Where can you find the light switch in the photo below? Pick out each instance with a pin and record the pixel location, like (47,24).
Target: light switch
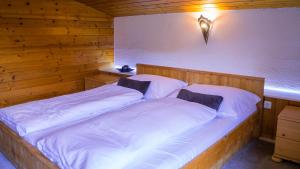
(267,105)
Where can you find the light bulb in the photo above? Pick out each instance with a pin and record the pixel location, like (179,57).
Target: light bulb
(204,25)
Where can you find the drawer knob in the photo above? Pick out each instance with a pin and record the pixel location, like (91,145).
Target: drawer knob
(283,135)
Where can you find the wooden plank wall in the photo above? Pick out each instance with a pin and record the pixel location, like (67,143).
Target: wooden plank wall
(47,47)
(146,7)
(269,123)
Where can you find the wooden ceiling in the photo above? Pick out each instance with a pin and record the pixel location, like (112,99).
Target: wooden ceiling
(143,7)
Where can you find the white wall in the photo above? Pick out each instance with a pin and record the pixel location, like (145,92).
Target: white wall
(264,42)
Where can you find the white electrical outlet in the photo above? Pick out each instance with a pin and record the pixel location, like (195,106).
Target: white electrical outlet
(267,105)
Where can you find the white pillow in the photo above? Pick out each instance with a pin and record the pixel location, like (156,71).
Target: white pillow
(235,101)
(160,86)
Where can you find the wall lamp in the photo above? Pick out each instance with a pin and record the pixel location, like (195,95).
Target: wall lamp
(205,25)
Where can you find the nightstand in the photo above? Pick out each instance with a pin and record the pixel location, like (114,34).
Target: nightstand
(104,77)
(287,145)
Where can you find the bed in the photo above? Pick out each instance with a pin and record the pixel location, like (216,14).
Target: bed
(23,155)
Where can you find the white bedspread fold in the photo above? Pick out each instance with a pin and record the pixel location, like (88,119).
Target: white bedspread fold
(114,139)
(38,115)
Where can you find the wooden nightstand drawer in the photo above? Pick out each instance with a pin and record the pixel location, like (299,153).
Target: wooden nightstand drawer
(287,148)
(289,130)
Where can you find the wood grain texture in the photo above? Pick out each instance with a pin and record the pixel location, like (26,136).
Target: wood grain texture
(269,118)
(249,83)
(144,7)
(22,154)
(48,47)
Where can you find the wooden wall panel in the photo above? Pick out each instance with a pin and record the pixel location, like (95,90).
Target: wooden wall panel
(269,124)
(47,48)
(249,83)
(144,7)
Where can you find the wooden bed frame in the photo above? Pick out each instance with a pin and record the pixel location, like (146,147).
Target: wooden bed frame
(24,156)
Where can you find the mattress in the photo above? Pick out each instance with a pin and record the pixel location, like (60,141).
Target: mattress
(42,114)
(180,150)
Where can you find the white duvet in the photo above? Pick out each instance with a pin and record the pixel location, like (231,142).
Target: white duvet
(114,139)
(34,116)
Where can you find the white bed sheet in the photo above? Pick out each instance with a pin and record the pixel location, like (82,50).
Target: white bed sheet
(115,139)
(179,150)
(42,114)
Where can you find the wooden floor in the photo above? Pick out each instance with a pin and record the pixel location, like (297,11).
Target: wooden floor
(255,155)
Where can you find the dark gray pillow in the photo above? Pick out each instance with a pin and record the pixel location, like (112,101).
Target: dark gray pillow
(141,86)
(211,101)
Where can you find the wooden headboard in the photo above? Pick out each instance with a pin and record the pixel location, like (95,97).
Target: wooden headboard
(249,83)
